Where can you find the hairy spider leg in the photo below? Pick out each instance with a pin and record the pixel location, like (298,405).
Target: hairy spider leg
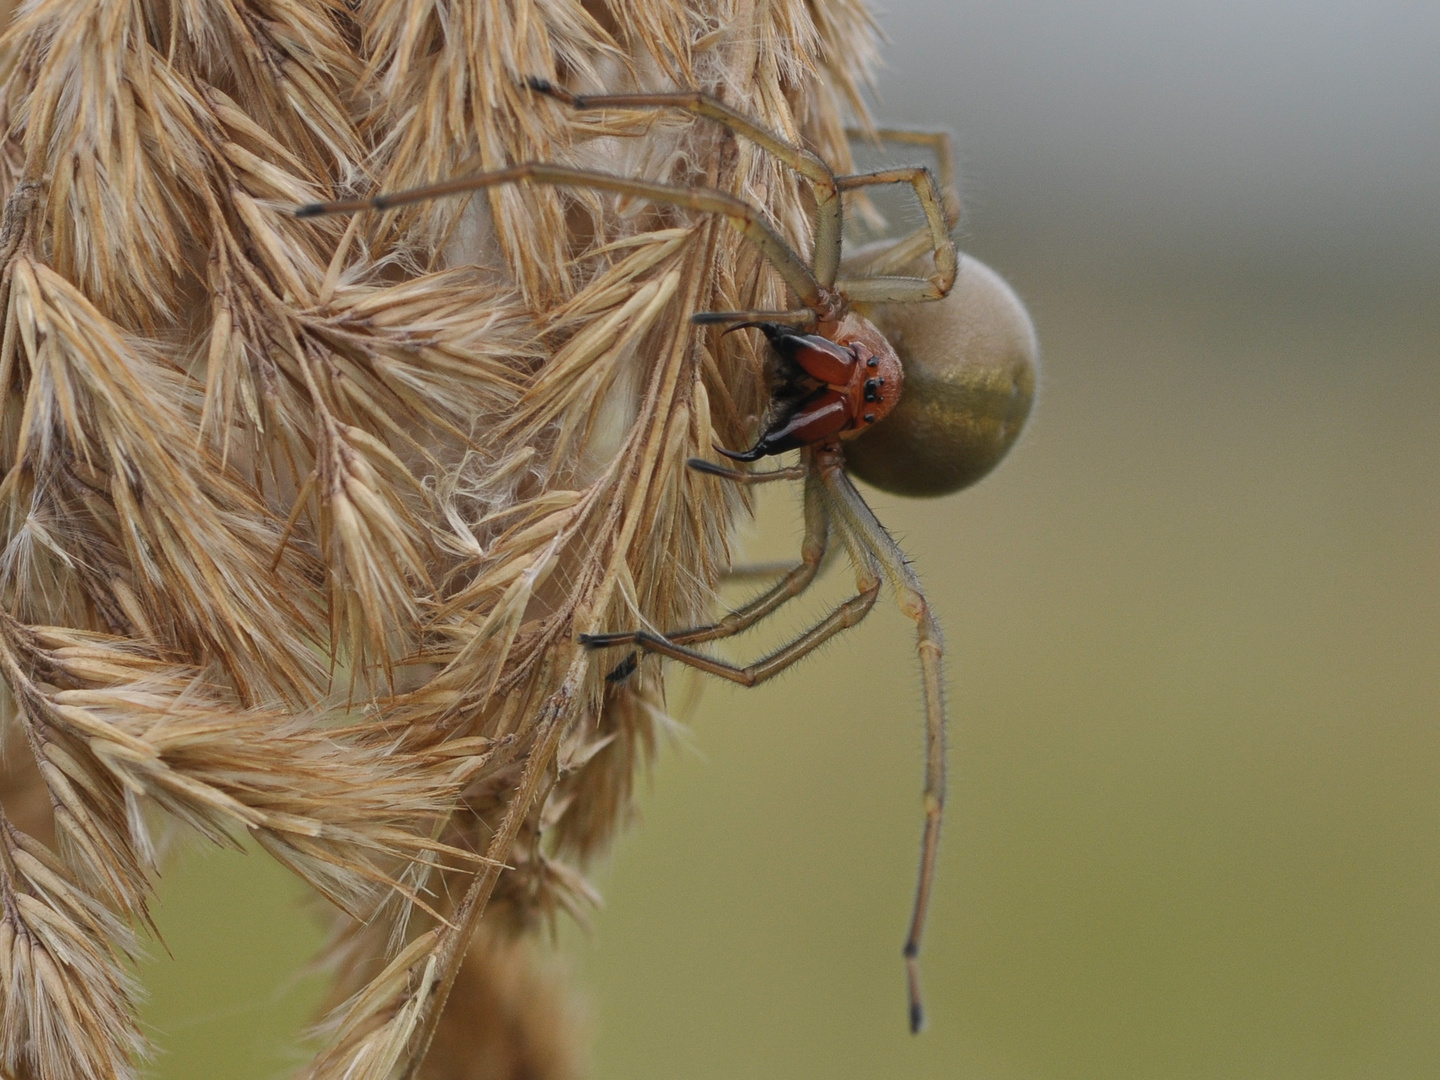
(801,317)
(856,523)
(789,472)
(939,144)
(941,206)
(795,580)
(759,571)
(829,220)
(739,213)
(788,580)
(901,290)
(843,616)
(767,571)
(771,570)
(906,250)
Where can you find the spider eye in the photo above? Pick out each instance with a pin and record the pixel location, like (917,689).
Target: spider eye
(970,363)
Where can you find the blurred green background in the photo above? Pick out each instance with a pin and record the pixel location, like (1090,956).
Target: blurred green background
(1193,625)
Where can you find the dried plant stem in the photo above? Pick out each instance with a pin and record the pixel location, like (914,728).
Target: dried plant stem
(455,939)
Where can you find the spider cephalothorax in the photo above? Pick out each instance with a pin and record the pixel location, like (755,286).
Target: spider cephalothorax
(837,378)
(828,386)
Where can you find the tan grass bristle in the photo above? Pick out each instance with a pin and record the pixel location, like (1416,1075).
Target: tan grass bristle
(301,518)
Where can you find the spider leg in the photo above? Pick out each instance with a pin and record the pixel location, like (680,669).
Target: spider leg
(829,211)
(789,472)
(768,571)
(939,144)
(771,571)
(905,251)
(881,290)
(795,581)
(843,616)
(705,200)
(802,317)
(858,526)
(759,571)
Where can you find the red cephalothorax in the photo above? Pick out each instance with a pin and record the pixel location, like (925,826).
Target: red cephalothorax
(831,386)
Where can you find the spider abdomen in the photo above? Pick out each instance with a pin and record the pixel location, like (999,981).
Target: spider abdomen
(970,364)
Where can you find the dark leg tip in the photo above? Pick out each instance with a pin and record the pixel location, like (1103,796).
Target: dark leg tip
(709,468)
(604,641)
(624,669)
(549,89)
(309,210)
(917,1019)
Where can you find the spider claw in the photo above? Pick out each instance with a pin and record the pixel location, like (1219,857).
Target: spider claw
(755,453)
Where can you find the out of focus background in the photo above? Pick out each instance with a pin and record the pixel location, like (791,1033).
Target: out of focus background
(1193,623)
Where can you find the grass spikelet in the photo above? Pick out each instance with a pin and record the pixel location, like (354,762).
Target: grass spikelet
(340,805)
(368,1034)
(66,1001)
(300,519)
(108,410)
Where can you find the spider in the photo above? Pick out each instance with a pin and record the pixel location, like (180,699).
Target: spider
(966,358)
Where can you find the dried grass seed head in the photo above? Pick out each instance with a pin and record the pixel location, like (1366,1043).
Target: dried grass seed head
(299,520)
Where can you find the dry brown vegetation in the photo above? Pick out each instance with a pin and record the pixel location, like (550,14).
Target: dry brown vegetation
(301,518)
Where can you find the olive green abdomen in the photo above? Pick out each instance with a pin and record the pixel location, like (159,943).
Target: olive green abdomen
(970,364)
